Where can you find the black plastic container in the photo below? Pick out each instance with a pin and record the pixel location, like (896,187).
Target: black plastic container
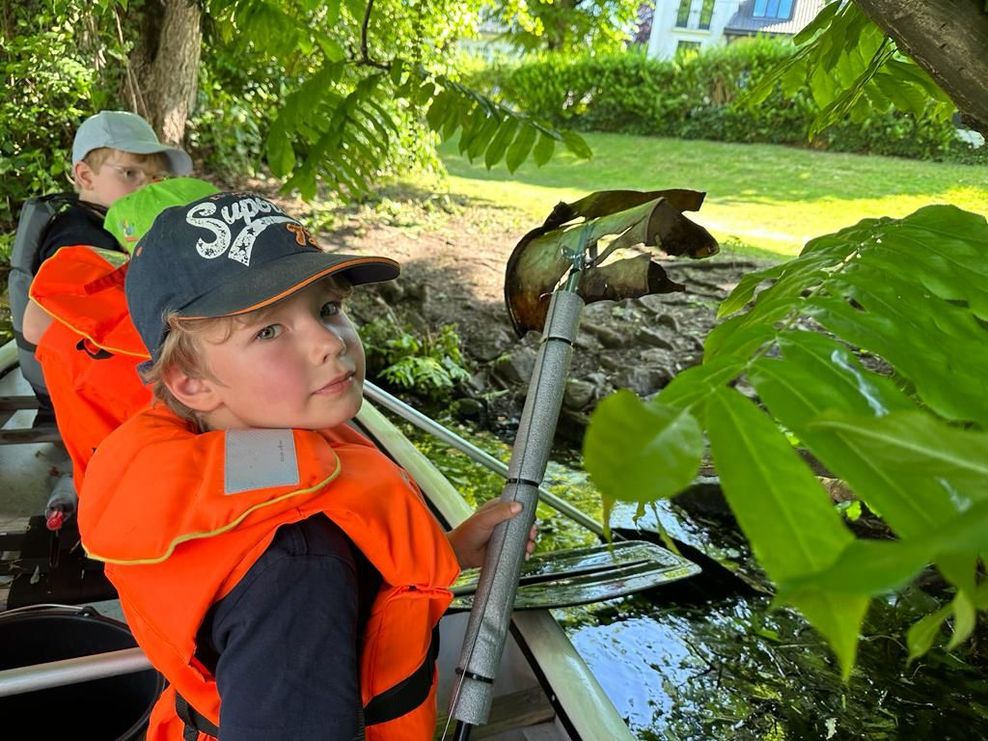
(108,709)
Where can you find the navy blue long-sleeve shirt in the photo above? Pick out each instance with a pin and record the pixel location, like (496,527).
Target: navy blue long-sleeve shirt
(285,642)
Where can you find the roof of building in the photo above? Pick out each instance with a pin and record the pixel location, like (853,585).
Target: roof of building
(744,22)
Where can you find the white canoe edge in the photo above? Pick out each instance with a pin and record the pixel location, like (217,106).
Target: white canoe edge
(8,355)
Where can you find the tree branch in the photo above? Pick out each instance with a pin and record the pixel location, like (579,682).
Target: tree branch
(948,39)
(365,58)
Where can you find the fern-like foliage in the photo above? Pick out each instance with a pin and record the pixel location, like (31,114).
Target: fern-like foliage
(870,349)
(851,67)
(430,364)
(352,103)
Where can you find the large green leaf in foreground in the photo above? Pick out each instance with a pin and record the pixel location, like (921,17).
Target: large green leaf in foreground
(869,352)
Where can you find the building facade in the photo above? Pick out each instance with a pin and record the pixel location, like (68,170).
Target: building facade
(683,25)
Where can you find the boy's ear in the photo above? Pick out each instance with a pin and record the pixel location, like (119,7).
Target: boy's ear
(198,394)
(83,175)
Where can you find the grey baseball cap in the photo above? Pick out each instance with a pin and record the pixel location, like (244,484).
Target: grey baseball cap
(127,132)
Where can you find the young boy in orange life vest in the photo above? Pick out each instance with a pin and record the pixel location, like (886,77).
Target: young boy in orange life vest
(282,573)
(114,154)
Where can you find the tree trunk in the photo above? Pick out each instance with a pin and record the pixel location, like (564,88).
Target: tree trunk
(948,39)
(170,64)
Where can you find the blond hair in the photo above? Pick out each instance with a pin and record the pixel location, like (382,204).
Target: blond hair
(96,158)
(182,348)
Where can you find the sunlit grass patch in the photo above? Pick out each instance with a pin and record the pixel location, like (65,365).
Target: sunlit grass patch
(771,197)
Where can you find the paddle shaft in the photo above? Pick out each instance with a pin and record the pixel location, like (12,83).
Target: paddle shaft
(487,628)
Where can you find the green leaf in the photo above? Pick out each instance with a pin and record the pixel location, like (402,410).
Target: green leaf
(865,567)
(907,70)
(543,150)
(479,142)
(744,333)
(304,181)
(379,138)
(397,67)
(744,291)
(638,452)
(520,147)
(499,145)
(281,156)
(383,117)
(439,110)
(873,567)
(923,448)
(903,95)
(816,376)
(820,22)
(317,89)
(780,505)
(784,512)
(332,10)
(919,351)
(741,335)
(356,8)
(838,618)
(474,123)
(800,390)
(330,48)
(577,145)
(424,93)
(458,117)
(690,389)
(964,620)
(924,632)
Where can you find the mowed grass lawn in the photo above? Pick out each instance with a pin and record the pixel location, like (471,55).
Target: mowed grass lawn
(770,197)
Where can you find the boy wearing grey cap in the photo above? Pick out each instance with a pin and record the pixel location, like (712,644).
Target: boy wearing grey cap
(114,153)
(280,571)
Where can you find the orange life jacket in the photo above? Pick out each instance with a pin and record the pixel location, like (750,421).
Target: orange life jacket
(179,517)
(90,351)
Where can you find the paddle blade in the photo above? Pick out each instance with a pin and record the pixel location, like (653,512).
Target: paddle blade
(580,576)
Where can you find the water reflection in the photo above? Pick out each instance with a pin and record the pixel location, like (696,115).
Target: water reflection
(731,671)
(705,659)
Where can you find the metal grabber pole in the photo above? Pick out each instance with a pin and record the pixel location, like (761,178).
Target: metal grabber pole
(488,625)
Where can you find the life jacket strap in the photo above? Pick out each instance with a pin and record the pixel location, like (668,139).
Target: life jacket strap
(409,693)
(22,342)
(393,703)
(195,722)
(92,350)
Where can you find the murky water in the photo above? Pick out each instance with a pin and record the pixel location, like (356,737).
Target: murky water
(709,662)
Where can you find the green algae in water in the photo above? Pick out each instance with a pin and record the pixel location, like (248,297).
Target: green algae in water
(478,485)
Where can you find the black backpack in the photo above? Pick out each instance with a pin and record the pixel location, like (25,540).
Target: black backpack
(36,215)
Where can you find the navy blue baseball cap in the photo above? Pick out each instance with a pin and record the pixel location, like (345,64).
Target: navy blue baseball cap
(227,254)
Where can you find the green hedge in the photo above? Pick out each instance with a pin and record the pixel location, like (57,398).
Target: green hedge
(696,97)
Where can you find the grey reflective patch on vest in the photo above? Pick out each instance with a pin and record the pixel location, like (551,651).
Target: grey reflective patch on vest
(257,459)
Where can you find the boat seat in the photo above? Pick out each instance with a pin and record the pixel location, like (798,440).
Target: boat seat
(10,405)
(510,713)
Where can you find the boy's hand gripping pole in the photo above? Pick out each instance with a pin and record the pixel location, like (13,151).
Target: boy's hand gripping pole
(487,628)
